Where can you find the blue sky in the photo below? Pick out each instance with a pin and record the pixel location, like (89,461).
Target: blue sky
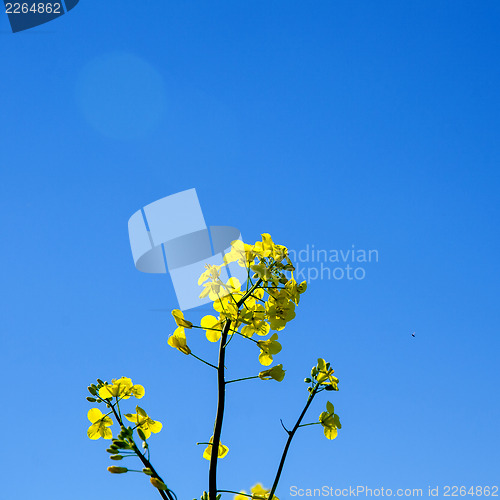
(326,123)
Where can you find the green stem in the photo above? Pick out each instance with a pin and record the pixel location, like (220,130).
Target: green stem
(221,392)
(235,492)
(166,495)
(203,361)
(289,441)
(240,379)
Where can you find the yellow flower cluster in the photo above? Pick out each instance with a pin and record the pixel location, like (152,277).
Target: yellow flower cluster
(121,388)
(247,310)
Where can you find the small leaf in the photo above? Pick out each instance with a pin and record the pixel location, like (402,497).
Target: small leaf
(329,408)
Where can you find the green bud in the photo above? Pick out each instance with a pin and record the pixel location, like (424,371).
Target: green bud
(91,400)
(307,380)
(121,444)
(329,388)
(113,447)
(117,470)
(100,382)
(141,433)
(314,372)
(158,483)
(92,390)
(116,457)
(147,471)
(309,389)
(111,450)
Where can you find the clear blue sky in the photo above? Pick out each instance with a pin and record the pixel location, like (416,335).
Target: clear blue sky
(325,123)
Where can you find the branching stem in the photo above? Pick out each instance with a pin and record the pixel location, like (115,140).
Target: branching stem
(289,440)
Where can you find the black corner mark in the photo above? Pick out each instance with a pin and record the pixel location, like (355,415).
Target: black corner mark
(26,14)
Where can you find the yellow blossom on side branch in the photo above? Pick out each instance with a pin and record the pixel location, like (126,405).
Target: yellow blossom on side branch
(178,341)
(179,319)
(276,373)
(100,424)
(144,422)
(268,348)
(330,421)
(207,454)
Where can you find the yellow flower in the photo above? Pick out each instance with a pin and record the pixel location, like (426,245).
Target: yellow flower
(215,288)
(264,273)
(178,341)
(241,253)
(121,388)
(279,312)
(227,309)
(144,422)
(211,273)
(294,291)
(325,374)
(179,319)
(266,248)
(260,493)
(100,424)
(208,450)
(254,319)
(276,373)
(213,327)
(330,421)
(268,348)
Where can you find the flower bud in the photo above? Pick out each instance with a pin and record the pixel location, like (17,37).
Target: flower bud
(100,382)
(92,390)
(91,400)
(116,457)
(147,471)
(158,483)
(141,433)
(307,380)
(117,470)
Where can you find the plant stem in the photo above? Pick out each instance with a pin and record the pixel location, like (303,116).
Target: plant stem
(166,495)
(203,361)
(221,386)
(289,441)
(221,390)
(240,379)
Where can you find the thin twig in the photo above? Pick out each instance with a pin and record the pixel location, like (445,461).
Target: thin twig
(289,440)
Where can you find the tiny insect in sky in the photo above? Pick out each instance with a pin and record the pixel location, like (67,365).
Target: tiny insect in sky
(413,334)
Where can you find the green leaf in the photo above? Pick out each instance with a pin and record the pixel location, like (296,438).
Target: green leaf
(329,408)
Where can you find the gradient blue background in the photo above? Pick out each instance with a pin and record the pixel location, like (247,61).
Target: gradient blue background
(330,123)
